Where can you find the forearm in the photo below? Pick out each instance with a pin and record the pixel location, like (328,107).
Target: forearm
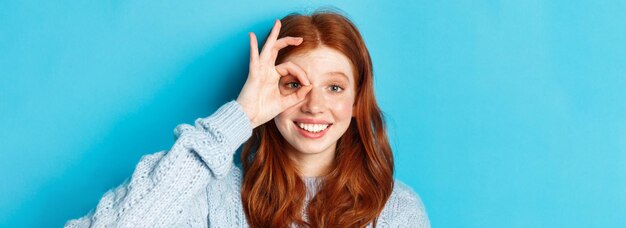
(163,182)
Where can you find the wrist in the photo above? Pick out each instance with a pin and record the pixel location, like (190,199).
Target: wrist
(248,113)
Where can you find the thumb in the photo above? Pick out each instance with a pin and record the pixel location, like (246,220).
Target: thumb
(296,97)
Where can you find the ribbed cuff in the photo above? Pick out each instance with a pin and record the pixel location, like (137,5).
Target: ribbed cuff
(233,123)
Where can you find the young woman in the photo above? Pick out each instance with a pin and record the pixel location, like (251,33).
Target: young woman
(317,154)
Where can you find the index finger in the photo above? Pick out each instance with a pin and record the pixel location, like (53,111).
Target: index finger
(288,68)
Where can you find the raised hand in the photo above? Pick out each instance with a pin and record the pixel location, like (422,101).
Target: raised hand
(260,96)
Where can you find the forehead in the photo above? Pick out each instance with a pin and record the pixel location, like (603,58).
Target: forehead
(323,61)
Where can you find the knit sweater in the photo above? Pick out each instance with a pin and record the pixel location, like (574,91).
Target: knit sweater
(196,183)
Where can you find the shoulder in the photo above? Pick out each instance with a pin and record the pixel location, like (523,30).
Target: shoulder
(405,193)
(405,208)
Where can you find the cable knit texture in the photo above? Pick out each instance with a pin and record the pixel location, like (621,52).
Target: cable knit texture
(196,184)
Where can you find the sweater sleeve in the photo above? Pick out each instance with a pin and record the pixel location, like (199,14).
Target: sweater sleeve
(164,182)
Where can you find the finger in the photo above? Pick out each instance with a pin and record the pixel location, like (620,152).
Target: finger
(271,39)
(297,97)
(286,41)
(290,68)
(254,48)
(282,43)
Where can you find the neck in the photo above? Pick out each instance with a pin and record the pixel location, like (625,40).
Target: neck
(312,165)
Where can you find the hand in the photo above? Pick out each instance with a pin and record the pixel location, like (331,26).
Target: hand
(260,96)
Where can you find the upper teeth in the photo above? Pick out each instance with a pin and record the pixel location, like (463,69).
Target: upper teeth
(313,127)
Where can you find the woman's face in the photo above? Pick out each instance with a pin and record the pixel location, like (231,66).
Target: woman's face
(315,124)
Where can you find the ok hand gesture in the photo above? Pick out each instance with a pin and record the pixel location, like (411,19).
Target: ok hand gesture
(260,96)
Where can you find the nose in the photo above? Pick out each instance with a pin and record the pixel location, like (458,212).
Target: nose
(315,102)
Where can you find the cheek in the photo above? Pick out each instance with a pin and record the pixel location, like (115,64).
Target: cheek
(284,116)
(342,109)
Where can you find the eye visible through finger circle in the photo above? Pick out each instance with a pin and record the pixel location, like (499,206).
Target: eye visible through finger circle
(289,84)
(293,85)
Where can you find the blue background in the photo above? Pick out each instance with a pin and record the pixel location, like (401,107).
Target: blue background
(500,113)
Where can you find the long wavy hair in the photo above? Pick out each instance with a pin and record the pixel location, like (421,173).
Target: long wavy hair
(355,189)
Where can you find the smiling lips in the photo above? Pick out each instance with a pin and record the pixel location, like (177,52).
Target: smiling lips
(312,128)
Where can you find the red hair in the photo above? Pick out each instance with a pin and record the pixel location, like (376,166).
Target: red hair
(355,189)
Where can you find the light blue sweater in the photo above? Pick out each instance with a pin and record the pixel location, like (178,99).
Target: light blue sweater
(196,184)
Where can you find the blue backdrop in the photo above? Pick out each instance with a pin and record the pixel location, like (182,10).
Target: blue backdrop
(500,113)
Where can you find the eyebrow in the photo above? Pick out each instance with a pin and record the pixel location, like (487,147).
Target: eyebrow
(338,73)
